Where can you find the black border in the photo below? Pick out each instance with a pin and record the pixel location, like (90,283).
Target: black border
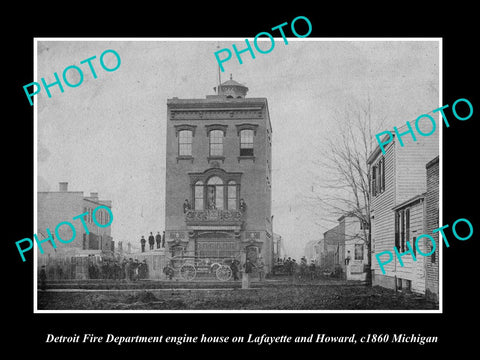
(455,26)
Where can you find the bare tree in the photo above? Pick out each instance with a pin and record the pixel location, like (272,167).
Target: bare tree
(342,174)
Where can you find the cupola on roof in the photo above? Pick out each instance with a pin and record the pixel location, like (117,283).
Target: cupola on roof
(232,89)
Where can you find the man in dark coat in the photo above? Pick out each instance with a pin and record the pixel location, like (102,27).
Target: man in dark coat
(144,267)
(142,242)
(248,266)
(234,267)
(158,239)
(163,240)
(243,206)
(129,269)
(186,206)
(151,241)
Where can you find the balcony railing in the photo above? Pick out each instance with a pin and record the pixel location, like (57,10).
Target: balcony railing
(214,217)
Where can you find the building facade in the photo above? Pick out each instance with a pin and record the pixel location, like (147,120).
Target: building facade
(218,177)
(432,222)
(398,184)
(54,207)
(310,251)
(355,248)
(332,258)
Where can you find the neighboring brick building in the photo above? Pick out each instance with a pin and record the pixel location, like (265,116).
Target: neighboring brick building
(218,152)
(53,207)
(432,215)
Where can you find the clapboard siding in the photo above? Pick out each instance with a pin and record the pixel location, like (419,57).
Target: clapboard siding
(405,179)
(410,164)
(414,270)
(383,238)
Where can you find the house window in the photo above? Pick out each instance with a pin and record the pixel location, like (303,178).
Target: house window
(198,195)
(246,142)
(364,225)
(232,195)
(358,251)
(378,177)
(185,143)
(407,225)
(402,228)
(216,143)
(215,193)
(397,230)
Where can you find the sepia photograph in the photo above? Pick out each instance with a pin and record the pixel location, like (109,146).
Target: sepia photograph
(296,176)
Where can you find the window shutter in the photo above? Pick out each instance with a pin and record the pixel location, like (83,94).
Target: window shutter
(407,225)
(397,232)
(383,174)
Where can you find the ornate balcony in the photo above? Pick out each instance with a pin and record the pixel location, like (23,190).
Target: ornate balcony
(214,218)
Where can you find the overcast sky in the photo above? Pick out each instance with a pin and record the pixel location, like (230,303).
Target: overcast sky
(108,134)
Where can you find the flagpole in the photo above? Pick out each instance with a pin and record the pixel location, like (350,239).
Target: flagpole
(219,77)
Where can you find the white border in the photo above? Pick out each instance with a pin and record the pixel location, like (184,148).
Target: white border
(35,117)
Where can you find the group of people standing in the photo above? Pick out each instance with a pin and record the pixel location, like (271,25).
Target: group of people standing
(302,270)
(130,270)
(249,268)
(158,239)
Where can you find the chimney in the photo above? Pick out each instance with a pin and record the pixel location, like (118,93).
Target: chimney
(63,186)
(94,195)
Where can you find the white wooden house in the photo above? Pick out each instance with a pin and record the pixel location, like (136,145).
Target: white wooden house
(398,185)
(355,248)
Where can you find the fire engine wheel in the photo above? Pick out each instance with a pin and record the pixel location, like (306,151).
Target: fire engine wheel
(224,273)
(214,267)
(188,272)
(168,270)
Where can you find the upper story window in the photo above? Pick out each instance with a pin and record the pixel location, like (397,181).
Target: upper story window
(246,142)
(198,193)
(185,143)
(215,189)
(215,193)
(185,134)
(246,132)
(232,195)
(378,177)
(216,143)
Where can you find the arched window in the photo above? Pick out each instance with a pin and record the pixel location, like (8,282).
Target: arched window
(215,197)
(199,195)
(216,143)
(185,143)
(232,195)
(246,142)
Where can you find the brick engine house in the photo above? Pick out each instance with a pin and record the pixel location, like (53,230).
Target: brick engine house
(218,176)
